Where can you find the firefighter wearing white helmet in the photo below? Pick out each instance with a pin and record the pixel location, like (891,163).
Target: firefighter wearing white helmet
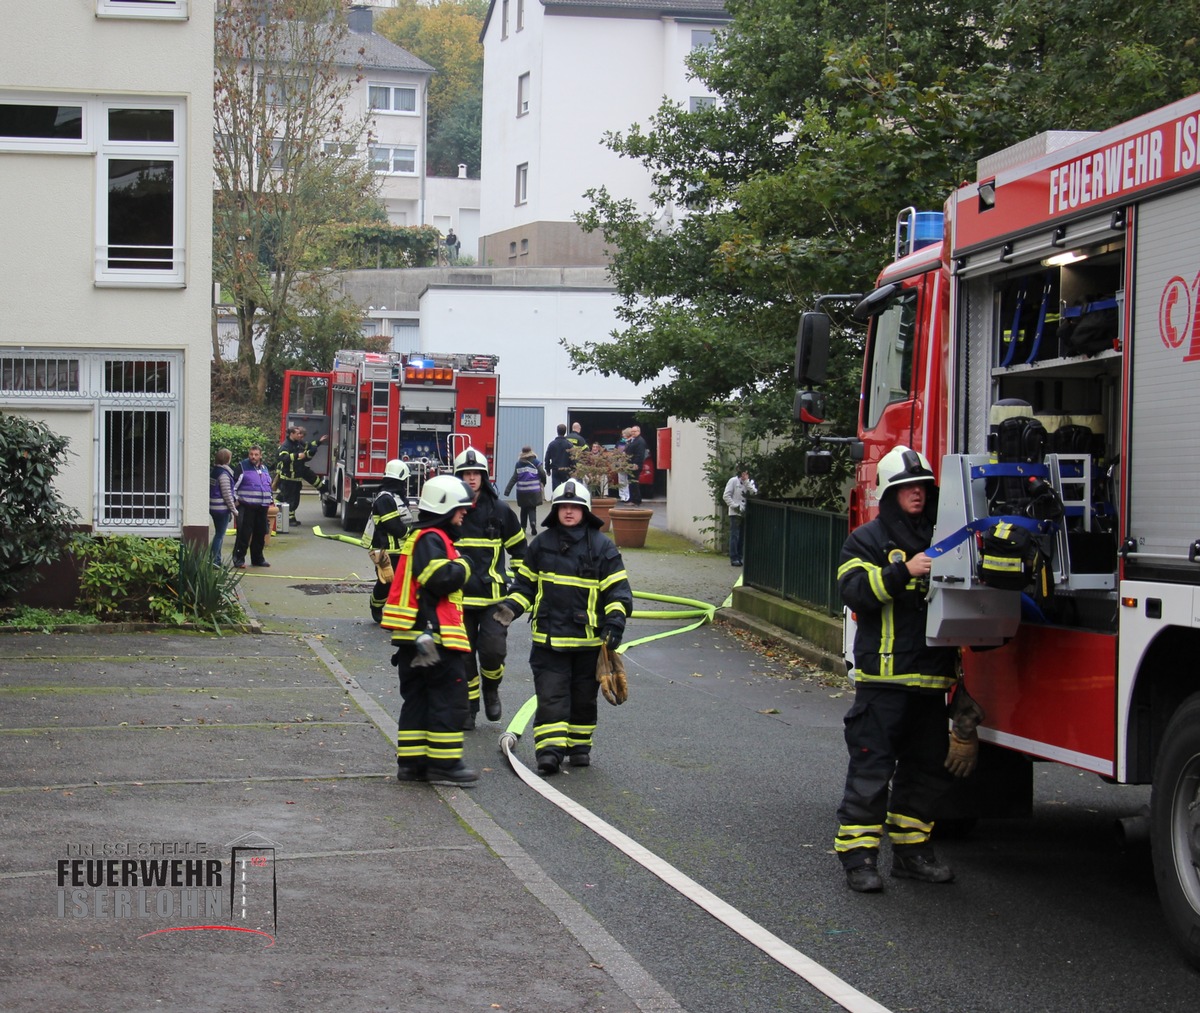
(574,580)
(424,612)
(389,523)
(896,728)
(491,533)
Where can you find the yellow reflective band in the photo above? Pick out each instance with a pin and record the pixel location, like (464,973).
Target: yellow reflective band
(911,837)
(1005,564)
(909,822)
(1003,529)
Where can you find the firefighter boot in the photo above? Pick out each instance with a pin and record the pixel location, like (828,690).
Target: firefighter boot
(410,772)
(920,864)
(457,773)
(548,764)
(491,695)
(865,878)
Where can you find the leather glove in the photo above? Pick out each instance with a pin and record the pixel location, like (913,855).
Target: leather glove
(503,615)
(427,652)
(965,713)
(963,754)
(610,673)
(611,634)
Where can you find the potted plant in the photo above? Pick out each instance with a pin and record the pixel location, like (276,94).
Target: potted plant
(597,467)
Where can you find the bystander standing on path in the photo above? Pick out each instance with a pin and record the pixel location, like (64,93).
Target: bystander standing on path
(736,491)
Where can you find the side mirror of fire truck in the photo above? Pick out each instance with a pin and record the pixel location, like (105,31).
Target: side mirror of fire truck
(812,350)
(875,303)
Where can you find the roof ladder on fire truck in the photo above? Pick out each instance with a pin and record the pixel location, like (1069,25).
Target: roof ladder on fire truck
(377,427)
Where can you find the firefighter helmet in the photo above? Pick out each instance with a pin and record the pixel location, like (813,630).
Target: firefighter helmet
(443,494)
(572,491)
(901,466)
(470,460)
(396,469)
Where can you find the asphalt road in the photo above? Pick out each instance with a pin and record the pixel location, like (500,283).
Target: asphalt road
(730,771)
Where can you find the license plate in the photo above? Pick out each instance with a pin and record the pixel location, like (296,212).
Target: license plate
(471,420)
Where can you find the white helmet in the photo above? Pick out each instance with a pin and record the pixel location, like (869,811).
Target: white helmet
(396,469)
(573,491)
(470,460)
(901,466)
(444,494)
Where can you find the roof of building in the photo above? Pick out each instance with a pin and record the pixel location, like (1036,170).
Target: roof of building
(378,53)
(706,9)
(674,8)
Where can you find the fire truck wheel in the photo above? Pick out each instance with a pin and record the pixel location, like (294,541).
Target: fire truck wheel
(1175,827)
(350,520)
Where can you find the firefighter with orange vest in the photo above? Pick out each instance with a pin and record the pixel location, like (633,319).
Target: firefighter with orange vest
(424,611)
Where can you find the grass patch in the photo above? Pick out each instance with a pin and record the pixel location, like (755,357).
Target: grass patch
(27,619)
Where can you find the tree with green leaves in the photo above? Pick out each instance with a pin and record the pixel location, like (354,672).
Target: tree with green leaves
(445,34)
(285,166)
(35,524)
(830,121)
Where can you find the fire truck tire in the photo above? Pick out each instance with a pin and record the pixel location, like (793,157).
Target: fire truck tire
(1175,827)
(328,506)
(351,520)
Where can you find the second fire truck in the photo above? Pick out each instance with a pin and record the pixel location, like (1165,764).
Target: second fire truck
(420,407)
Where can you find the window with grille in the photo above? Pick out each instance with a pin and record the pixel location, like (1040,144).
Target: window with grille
(137,405)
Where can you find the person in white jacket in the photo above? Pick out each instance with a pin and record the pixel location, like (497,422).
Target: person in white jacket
(736,491)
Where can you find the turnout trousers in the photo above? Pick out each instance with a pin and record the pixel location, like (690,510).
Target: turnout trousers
(484,660)
(566,687)
(895,737)
(429,730)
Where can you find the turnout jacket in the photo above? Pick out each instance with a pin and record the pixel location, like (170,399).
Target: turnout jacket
(489,529)
(390,516)
(573,581)
(889,606)
(294,456)
(427,588)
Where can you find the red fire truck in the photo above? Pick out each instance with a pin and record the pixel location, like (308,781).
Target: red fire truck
(420,407)
(1039,341)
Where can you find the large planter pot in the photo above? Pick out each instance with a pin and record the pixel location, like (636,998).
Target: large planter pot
(629,526)
(601,505)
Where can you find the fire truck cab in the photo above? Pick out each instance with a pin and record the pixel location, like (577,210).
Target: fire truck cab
(420,407)
(1043,351)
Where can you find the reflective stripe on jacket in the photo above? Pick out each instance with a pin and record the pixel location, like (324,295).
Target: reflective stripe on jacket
(253,486)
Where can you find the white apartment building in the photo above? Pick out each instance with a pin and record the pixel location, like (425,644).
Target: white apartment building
(558,74)
(106,266)
(391,94)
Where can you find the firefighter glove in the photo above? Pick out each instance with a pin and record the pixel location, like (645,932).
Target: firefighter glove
(610,673)
(963,754)
(965,713)
(503,615)
(611,634)
(427,652)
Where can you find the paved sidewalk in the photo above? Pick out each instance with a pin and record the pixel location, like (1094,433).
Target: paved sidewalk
(178,747)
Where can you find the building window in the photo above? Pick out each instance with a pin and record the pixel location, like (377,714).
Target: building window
(523,94)
(140,202)
(173,9)
(41,126)
(339,150)
(698,102)
(520,14)
(504,19)
(522,182)
(138,406)
(512,249)
(393,161)
(703,38)
(386,98)
(524,247)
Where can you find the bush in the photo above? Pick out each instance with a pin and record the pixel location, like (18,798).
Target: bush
(239,439)
(157,579)
(35,524)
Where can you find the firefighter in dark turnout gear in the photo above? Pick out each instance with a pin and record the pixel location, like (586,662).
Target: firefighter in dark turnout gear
(489,530)
(425,601)
(292,468)
(389,523)
(573,579)
(897,726)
